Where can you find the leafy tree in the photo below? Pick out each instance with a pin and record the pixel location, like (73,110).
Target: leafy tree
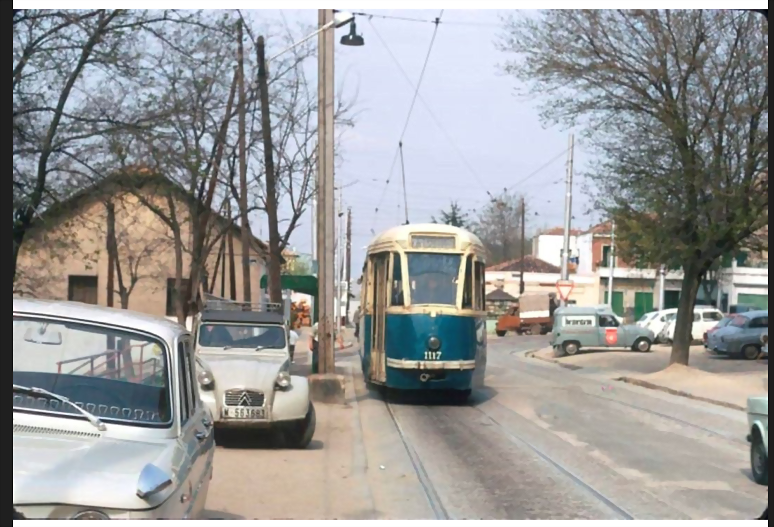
(455,216)
(676,105)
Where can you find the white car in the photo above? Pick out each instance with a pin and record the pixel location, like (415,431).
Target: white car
(107,419)
(244,373)
(758,417)
(704,319)
(657,320)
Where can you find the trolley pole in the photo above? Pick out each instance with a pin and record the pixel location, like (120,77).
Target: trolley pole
(522,284)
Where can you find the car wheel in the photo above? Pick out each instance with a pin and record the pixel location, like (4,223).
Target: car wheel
(643,345)
(299,434)
(751,352)
(570,348)
(500,334)
(760,462)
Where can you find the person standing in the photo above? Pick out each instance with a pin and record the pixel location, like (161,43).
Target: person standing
(356,320)
(292,341)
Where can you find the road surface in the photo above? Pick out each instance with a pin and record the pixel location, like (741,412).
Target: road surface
(540,442)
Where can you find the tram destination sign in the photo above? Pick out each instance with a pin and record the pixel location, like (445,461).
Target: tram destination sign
(434,242)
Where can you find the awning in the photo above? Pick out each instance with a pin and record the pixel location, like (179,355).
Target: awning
(307,285)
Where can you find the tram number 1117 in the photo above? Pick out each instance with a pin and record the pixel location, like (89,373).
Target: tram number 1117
(432,355)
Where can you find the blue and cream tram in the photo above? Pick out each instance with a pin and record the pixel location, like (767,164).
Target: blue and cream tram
(423,297)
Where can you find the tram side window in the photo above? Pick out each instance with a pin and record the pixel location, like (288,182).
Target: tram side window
(467,295)
(397,281)
(480,286)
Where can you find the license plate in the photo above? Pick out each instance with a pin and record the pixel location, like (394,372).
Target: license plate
(244,413)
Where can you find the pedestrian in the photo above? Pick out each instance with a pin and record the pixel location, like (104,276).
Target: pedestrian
(356,320)
(292,341)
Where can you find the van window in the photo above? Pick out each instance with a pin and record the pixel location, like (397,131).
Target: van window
(608,321)
(712,316)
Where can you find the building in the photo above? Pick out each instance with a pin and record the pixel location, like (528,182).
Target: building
(636,290)
(539,277)
(549,246)
(65,255)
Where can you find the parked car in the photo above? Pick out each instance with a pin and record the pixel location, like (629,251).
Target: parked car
(576,328)
(743,337)
(657,320)
(244,372)
(704,319)
(712,331)
(107,419)
(738,309)
(758,419)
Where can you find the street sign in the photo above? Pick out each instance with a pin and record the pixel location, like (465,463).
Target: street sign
(565,287)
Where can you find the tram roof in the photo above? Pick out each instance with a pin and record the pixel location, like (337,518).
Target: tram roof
(403,233)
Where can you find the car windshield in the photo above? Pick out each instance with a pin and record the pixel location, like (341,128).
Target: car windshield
(670,317)
(241,336)
(725,322)
(117,375)
(434,278)
(647,317)
(739,322)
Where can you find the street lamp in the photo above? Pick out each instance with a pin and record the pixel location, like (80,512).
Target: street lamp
(353,39)
(340,19)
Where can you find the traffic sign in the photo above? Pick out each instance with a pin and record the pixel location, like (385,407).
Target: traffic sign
(565,288)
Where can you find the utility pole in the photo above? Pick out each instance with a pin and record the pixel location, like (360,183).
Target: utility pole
(275,252)
(612,268)
(662,287)
(349,260)
(522,285)
(231,260)
(568,213)
(247,292)
(326,211)
(339,253)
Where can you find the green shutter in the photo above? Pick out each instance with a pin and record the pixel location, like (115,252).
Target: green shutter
(759,301)
(618,302)
(671,299)
(643,304)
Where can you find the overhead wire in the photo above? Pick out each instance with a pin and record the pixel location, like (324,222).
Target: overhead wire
(408,120)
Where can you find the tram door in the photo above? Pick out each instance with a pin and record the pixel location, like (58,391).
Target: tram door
(381,292)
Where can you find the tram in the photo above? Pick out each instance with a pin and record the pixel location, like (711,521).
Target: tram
(424,317)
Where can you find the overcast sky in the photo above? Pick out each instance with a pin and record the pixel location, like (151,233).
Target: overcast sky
(488,138)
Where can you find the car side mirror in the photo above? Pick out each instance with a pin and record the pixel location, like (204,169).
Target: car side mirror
(152,481)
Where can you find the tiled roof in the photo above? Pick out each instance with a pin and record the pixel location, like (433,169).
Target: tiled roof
(531,265)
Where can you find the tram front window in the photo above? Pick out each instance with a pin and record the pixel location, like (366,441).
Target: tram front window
(434,278)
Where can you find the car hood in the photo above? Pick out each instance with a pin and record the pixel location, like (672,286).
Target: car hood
(93,472)
(758,406)
(257,372)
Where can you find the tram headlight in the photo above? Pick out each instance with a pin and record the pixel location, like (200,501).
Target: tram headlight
(433,343)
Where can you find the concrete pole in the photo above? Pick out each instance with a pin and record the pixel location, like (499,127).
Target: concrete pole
(326,211)
(662,287)
(610,284)
(568,213)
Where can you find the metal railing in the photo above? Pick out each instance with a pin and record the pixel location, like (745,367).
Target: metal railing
(216,303)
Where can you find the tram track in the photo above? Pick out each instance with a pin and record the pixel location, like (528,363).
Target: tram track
(433,498)
(577,481)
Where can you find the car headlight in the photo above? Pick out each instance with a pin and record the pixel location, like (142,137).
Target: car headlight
(91,515)
(206,380)
(283,380)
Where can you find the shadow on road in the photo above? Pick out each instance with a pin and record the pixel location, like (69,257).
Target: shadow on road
(428,397)
(255,440)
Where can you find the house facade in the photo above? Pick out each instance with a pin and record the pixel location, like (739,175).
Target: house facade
(65,255)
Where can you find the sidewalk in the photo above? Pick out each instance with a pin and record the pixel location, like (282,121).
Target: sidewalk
(717,380)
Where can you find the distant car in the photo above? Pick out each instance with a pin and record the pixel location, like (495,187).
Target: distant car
(107,420)
(743,336)
(704,319)
(708,335)
(597,327)
(244,372)
(758,419)
(657,320)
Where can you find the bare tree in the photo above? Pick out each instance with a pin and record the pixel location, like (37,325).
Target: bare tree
(499,227)
(676,104)
(73,76)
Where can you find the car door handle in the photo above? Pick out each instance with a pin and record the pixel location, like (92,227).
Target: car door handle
(204,436)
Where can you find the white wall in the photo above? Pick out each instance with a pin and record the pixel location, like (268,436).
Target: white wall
(585,245)
(548,247)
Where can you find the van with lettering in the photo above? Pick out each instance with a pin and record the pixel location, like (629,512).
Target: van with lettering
(596,327)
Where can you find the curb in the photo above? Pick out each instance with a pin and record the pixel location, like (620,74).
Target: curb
(534,355)
(678,393)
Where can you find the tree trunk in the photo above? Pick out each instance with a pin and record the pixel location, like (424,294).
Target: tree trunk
(681,346)
(19,230)
(275,249)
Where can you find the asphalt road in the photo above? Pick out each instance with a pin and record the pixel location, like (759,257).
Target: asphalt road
(540,442)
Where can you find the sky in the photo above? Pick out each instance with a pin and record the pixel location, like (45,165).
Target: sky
(478,136)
